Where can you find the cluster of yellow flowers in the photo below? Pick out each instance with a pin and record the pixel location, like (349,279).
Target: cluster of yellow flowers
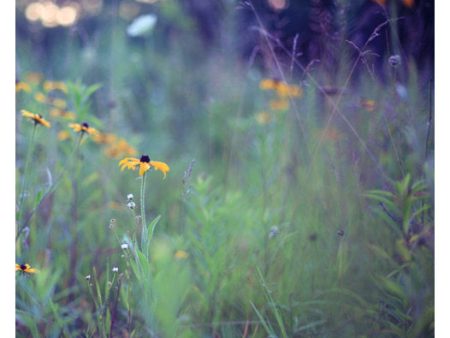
(51,93)
(283,92)
(115,147)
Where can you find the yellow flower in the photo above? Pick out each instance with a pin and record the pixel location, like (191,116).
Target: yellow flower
(55,112)
(368,105)
(25,268)
(279,104)
(59,103)
(282,89)
(53,85)
(63,135)
(82,128)
(115,206)
(120,148)
(181,254)
(104,138)
(263,117)
(285,90)
(23,86)
(36,118)
(144,164)
(33,78)
(40,97)
(268,84)
(330,134)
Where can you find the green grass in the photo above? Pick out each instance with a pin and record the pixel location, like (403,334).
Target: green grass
(317,224)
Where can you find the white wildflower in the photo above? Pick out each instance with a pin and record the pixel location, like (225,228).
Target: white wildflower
(142,25)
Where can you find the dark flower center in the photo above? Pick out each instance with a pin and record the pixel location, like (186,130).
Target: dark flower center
(85,125)
(145,159)
(23,267)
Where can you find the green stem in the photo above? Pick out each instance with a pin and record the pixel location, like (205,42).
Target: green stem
(24,179)
(144,233)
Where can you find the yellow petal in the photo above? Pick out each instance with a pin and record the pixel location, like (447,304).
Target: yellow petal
(143,167)
(267,84)
(163,167)
(26,113)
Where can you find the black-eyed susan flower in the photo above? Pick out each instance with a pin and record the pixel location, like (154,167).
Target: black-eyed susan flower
(104,138)
(368,104)
(59,103)
(279,104)
(55,85)
(40,97)
(63,135)
(282,88)
(181,254)
(23,86)
(56,112)
(36,118)
(144,164)
(119,149)
(26,268)
(268,84)
(263,118)
(82,128)
(286,90)
(33,77)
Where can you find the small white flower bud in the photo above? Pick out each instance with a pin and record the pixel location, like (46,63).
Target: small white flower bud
(115,269)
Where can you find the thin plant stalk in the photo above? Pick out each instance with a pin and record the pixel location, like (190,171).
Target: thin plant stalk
(25,177)
(74,210)
(144,233)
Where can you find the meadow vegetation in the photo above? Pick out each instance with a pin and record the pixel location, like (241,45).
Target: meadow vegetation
(258,207)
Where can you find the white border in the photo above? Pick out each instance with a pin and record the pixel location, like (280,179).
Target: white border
(7,167)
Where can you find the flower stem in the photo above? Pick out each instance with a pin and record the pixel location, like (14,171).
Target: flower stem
(144,234)
(24,179)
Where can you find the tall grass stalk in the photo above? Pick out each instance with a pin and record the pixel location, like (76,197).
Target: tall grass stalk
(144,233)
(25,180)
